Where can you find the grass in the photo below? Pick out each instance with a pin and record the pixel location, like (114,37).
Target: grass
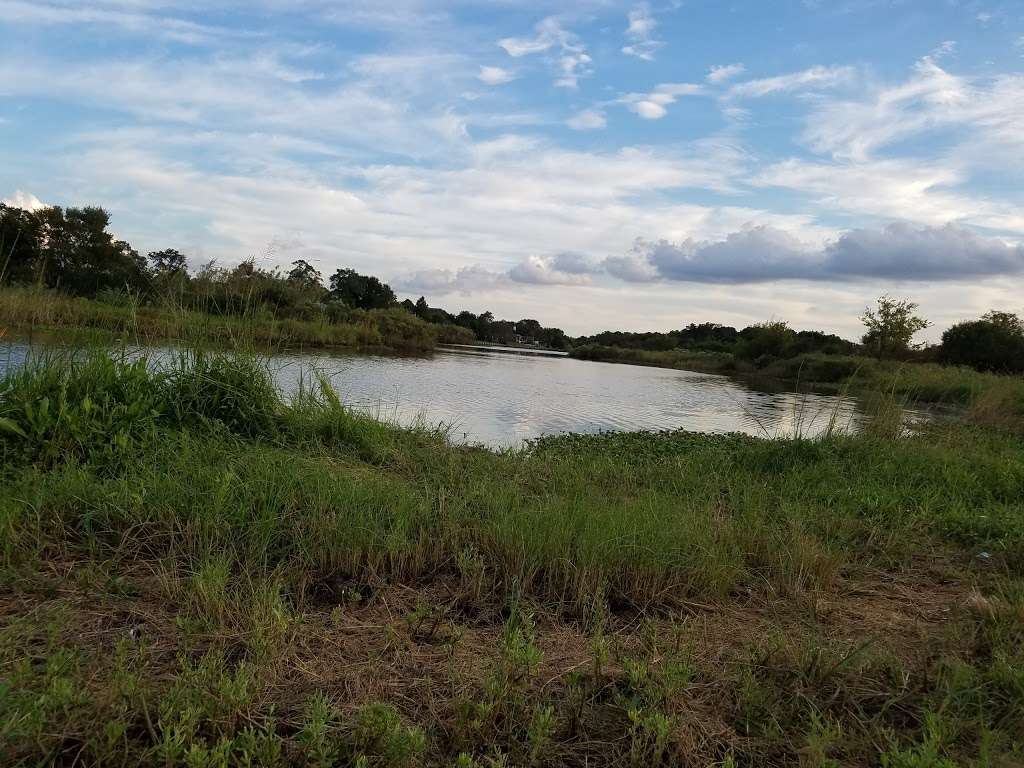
(912,382)
(37,311)
(194,572)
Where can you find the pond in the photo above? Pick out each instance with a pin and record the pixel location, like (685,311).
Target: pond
(500,399)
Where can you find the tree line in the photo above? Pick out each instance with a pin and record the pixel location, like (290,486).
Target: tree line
(72,250)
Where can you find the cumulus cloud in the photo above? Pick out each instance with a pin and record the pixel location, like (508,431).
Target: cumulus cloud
(900,251)
(441,281)
(720,73)
(631,269)
(640,32)
(495,75)
(549,271)
(24,200)
(573,263)
(588,120)
(567,268)
(815,77)
(654,105)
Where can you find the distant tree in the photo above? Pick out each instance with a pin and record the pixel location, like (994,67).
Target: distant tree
(553,337)
(304,275)
(80,256)
(770,339)
(502,331)
(993,343)
(167,261)
(529,328)
(20,256)
(421,307)
(360,291)
(891,326)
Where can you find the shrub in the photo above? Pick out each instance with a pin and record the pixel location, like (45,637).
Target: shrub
(993,343)
(234,390)
(67,407)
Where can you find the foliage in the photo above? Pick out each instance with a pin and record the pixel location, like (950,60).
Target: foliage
(891,326)
(360,291)
(993,343)
(67,248)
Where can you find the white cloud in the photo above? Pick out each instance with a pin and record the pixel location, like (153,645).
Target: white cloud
(574,65)
(495,75)
(653,105)
(920,191)
(639,32)
(900,251)
(720,73)
(541,271)
(990,108)
(571,61)
(815,77)
(641,23)
(128,18)
(24,200)
(588,120)
(549,33)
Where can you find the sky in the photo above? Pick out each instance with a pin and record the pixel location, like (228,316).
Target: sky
(592,164)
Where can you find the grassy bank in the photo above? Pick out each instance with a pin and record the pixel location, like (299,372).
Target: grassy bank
(914,382)
(24,310)
(196,573)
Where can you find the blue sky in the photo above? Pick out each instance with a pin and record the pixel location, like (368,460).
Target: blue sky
(591,164)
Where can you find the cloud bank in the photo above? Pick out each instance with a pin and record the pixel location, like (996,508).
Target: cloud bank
(900,251)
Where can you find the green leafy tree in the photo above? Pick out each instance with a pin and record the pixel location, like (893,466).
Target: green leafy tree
(360,291)
(993,343)
(770,339)
(305,275)
(891,326)
(20,257)
(167,261)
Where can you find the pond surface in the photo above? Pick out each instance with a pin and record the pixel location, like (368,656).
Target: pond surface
(501,399)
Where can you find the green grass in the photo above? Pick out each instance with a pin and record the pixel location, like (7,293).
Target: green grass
(913,382)
(36,311)
(311,586)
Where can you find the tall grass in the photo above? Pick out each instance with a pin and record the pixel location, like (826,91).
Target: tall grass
(36,311)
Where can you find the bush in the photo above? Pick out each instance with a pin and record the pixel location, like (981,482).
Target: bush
(993,343)
(234,390)
(54,409)
(772,339)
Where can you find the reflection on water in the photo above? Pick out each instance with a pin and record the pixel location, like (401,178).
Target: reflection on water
(501,399)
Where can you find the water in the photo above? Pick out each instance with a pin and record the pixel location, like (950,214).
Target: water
(502,399)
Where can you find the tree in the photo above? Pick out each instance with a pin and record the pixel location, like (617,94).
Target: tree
(304,275)
(421,307)
(80,256)
(993,343)
(891,326)
(360,291)
(773,338)
(167,261)
(529,328)
(20,258)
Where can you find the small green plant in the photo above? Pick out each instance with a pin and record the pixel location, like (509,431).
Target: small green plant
(317,736)
(380,734)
